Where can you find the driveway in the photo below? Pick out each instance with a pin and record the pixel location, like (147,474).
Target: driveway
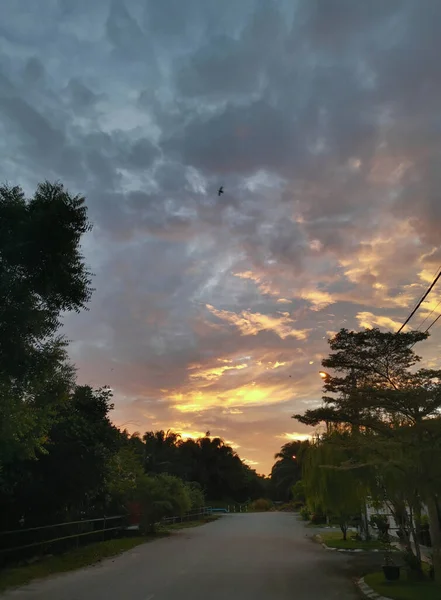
(260,556)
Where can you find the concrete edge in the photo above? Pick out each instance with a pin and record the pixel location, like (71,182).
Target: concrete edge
(368,591)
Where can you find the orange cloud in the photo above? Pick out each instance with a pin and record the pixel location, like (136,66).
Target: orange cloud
(295,436)
(318,298)
(368,319)
(264,286)
(249,462)
(250,323)
(249,394)
(216,372)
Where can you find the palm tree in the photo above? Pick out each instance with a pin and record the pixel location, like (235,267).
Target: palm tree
(160,451)
(287,469)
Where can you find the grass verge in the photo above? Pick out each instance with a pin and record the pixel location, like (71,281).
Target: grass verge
(403,589)
(334,539)
(84,556)
(188,524)
(68,561)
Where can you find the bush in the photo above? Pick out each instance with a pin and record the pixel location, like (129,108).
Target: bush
(304,513)
(162,496)
(196,495)
(262,505)
(298,492)
(381,523)
(414,566)
(318,519)
(424,533)
(291,506)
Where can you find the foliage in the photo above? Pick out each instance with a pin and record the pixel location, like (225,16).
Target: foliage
(123,478)
(261,505)
(403,589)
(304,513)
(41,276)
(290,506)
(298,492)
(210,462)
(318,518)
(413,564)
(393,411)
(161,496)
(333,539)
(329,489)
(381,523)
(287,470)
(196,495)
(70,476)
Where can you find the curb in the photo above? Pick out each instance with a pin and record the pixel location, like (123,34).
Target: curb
(369,592)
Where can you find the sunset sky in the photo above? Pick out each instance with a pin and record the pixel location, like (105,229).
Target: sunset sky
(321,119)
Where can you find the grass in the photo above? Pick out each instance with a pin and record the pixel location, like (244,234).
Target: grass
(403,589)
(68,561)
(187,524)
(334,539)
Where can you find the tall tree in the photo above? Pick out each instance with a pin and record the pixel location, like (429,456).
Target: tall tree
(160,451)
(330,488)
(287,470)
(42,273)
(70,476)
(380,395)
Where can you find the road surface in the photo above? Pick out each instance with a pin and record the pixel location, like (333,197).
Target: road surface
(256,556)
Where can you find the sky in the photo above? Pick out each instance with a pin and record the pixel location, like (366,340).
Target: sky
(320,118)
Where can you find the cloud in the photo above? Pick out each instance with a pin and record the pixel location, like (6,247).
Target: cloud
(252,323)
(214,373)
(368,320)
(295,436)
(249,394)
(320,119)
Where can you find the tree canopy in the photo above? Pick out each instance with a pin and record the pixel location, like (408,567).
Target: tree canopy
(42,273)
(287,470)
(392,411)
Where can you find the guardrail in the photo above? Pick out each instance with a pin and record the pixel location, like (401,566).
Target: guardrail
(22,543)
(190,516)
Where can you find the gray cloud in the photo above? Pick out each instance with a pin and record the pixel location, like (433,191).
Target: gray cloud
(321,120)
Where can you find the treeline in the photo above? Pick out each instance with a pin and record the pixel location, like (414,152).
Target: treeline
(381,444)
(61,458)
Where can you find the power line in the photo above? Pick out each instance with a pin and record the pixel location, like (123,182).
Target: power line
(421,300)
(428,316)
(433,323)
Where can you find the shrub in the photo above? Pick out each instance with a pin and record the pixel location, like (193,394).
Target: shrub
(304,513)
(262,505)
(196,495)
(318,519)
(291,506)
(414,566)
(161,496)
(381,523)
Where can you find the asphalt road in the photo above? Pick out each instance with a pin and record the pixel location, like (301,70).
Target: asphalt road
(260,556)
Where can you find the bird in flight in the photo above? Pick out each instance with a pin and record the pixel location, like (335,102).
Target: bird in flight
(221,190)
